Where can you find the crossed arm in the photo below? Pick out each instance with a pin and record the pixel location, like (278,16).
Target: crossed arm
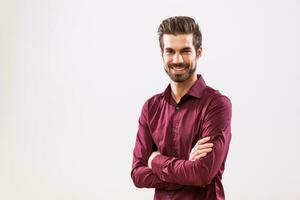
(201,148)
(153,170)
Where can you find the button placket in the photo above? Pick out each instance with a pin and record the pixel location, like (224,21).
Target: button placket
(175,120)
(175,129)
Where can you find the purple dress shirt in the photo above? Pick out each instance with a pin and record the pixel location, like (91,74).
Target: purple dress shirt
(173,129)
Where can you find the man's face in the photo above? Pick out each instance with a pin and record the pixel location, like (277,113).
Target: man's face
(180,56)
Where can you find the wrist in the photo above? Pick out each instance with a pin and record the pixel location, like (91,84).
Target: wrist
(152,156)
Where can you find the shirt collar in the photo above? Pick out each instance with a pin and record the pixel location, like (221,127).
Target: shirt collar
(196,90)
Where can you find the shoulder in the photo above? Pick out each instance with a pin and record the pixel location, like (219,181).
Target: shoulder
(214,98)
(151,103)
(153,100)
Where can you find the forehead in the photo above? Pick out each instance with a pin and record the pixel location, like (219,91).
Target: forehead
(178,41)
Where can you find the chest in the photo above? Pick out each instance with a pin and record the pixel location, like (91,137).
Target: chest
(176,129)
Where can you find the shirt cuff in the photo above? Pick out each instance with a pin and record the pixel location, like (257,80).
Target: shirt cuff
(158,164)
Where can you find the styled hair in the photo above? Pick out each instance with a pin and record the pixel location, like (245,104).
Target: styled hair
(180,25)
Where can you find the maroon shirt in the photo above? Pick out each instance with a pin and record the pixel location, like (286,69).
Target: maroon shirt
(173,129)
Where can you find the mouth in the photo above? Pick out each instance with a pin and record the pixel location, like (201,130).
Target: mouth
(179,68)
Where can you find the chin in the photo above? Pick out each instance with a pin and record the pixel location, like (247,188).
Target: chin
(180,78)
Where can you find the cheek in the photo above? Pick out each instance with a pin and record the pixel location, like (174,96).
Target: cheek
(167,61)
(188,58)
(191,60)
(188,61)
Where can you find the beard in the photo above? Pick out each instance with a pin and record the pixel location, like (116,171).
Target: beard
(179,78)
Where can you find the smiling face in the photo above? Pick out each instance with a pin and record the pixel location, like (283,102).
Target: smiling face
(180,56)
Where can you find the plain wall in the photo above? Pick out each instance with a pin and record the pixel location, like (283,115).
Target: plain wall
(75,74)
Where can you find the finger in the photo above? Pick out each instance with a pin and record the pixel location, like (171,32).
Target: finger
(202,151)
(203,140)
(204,146)
(192,153)
(200,156)
(199,152)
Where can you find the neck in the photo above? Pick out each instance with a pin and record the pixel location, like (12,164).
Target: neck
(180,89)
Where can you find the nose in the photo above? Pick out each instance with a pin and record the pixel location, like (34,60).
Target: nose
(177,58)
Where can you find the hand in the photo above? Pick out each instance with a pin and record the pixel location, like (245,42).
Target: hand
(201,148)
(152,156)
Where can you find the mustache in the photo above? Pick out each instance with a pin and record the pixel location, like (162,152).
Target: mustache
(178,65)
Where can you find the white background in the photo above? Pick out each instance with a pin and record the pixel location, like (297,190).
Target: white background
(74,75)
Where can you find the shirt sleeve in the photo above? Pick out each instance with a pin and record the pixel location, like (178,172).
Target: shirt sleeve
(201,172)
(141,174)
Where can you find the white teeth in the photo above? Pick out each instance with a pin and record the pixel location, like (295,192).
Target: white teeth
(178,68)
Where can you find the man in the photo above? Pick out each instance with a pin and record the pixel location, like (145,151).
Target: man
(184,132)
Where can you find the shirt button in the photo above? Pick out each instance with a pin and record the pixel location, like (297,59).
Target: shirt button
(177,107)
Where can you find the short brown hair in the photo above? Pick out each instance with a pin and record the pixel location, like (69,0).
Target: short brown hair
(180,25)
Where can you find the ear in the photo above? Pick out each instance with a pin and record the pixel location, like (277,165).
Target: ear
(198,53)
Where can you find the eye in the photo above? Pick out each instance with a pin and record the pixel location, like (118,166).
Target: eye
(186,51)
(169,51)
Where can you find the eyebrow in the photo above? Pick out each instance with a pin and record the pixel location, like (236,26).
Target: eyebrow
(169,49)
(183,49)
(186,48)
